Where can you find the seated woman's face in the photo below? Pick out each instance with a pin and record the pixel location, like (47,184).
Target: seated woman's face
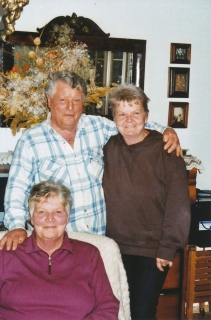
(49,218)
(130,119)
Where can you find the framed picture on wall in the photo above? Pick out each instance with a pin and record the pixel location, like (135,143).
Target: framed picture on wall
(178,115)
(179,82)
(180,53)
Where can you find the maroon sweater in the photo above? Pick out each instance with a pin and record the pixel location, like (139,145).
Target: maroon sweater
(147,198)
(76,286)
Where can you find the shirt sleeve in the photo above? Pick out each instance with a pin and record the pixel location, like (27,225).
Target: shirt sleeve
(19,183)
(1,272)
(109,128)
(106,305)
(176,223)
(155,126)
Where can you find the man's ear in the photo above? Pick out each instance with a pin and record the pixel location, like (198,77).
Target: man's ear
(49,101)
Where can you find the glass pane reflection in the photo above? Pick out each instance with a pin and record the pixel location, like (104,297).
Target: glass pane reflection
(118,55)
(111,67)
(116,72)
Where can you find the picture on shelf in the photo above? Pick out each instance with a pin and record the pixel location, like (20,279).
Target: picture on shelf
(178,115)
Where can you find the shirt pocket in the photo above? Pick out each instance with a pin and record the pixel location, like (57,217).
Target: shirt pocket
(54,169)
(94,164)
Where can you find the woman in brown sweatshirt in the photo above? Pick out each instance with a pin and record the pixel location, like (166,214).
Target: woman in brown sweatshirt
(147,199)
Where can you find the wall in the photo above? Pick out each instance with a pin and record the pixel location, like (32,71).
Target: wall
(160,23)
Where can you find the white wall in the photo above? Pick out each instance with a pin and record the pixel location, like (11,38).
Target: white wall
(160,23)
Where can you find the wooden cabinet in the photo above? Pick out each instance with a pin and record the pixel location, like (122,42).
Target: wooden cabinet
(192,184)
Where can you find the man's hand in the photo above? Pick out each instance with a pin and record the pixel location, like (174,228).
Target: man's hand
(163,263)
(172,142)
(12,239)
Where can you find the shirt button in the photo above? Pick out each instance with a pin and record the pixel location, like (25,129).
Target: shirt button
(85,210)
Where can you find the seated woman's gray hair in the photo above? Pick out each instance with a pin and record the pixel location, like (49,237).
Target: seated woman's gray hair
(48,189)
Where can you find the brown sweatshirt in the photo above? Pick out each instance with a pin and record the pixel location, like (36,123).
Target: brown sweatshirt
(147,198)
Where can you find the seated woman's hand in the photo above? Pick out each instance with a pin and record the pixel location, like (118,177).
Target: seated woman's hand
(172,142)
(12,239)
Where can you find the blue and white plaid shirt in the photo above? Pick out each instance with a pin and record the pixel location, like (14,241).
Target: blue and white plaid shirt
(42,154)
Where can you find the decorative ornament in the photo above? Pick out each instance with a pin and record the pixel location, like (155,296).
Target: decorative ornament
(13,11)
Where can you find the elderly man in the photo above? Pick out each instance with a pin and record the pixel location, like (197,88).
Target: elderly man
(66,147)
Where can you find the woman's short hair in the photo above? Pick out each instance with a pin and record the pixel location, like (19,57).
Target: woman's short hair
(49,189)
(71,78)
(128,93)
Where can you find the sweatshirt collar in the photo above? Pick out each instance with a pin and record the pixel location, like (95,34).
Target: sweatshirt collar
(31,245)
(146,141)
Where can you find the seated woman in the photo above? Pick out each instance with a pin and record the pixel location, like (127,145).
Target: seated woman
(50,276)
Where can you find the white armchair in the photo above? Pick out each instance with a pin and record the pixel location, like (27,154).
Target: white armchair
(113,264)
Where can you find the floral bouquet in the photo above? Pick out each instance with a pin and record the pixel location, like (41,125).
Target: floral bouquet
(22,91)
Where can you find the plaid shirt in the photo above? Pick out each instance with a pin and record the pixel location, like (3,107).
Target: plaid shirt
(42,154)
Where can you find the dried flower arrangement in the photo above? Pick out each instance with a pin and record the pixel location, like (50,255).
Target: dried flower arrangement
(22,91)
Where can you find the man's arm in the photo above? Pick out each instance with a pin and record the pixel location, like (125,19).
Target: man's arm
(169,136)
(16,195)
(19,183)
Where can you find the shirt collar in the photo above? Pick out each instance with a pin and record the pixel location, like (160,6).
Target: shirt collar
(31,245)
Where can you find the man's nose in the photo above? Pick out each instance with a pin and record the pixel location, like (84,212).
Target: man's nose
(70,105)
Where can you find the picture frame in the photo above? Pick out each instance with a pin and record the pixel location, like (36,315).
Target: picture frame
(178,115)
(180,53)
(179,82)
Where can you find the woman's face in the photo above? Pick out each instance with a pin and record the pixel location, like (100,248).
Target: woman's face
(49,219)
(130,119)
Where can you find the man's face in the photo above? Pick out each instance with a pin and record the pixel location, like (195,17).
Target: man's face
(66,105)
